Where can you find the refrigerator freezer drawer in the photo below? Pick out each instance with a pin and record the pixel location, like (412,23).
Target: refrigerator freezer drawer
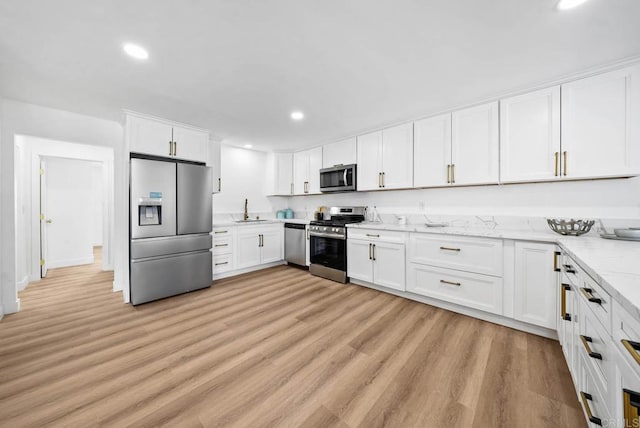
(153,247)
(161,277)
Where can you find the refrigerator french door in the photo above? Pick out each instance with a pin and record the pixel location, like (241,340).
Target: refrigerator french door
(171,217)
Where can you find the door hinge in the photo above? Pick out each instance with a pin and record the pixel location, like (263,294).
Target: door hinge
(41,262)
(41,171)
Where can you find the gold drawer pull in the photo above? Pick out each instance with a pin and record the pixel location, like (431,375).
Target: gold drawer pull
(373,236)
(221,231)
(569,269)
(631,404)
(222,263)
(633,348)
(556,158)
(586,340)
(450,249)
(450,283)
(563,302)
(585,402)
(588,293)
(221,245)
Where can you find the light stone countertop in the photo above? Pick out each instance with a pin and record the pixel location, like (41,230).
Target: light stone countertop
(615,265)
(229,223)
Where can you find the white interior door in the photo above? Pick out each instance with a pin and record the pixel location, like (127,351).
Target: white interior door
(43,220)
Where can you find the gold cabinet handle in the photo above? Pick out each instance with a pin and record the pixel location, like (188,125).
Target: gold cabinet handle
(588,293)
(569,269)
(219,184)
(586,340)
(374,252)
(221,231)
(557,162)
(175,148)
(563,302)
(170,148)
(450,249)
(457,284)
(564,163)
(221,245)
(383,180)
(379,180)
(448,173)
(222,263)
(556,254)
(372,235)
(630,400)
(370,253)
(633,348)
(453,173)
(585,402)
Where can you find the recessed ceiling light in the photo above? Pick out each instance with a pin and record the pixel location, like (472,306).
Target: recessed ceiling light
(297,115)
(247,146)
(136,51)
(569,4)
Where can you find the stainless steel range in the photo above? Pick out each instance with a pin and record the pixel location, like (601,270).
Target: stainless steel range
(328,238)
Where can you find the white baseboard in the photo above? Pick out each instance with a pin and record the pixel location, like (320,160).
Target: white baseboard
(70,262)
(474,313)
(247,270)
(22,284)
(11,307)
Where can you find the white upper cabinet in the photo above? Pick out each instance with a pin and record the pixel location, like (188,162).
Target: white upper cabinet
(475,145)
(189,144)
(530,136)
(283,173)
(432,151)
(306,171)
(385,159)
(369,171)
(340,153)
(215,162)
(397,157)
(150,137)
(601,125)
(156,137)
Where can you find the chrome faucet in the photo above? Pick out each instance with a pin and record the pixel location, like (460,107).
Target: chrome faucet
(246,213)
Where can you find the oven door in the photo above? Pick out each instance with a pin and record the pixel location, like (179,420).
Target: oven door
(338,179)
(328,252)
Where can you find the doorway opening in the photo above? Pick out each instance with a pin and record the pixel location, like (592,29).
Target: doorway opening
(64,207)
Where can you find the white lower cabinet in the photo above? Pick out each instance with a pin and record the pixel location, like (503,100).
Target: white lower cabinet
(472,290)
(376,261)
(258,245)
(535,284)
(239,248)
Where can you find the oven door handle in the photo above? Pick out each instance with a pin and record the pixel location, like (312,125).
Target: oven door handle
(327,235)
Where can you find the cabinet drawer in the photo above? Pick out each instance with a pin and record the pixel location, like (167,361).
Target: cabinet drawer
(626,395)
(467,289)
(478,255)
(222,263)
(377,235)
(222,244)
(626,336)
(594,404)
(597,300)
(594,345)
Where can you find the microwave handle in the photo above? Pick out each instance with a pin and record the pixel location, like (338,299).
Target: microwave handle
(345,177)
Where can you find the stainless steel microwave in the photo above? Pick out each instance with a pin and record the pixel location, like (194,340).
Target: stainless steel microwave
(340,178)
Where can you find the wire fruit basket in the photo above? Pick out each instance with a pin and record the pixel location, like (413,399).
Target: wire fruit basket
(570,227)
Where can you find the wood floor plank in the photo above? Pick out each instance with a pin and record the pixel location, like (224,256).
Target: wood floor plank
(277,347)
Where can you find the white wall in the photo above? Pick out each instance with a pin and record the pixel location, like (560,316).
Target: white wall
(244,174)
(619,198)
(97,204)
(17,118)
(70,205)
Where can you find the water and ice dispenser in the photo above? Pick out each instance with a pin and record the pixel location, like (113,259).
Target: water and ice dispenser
(149,211)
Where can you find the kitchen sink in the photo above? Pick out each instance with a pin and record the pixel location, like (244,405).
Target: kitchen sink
(250,220)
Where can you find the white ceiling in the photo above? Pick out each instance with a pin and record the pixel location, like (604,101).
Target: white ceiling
(240,67)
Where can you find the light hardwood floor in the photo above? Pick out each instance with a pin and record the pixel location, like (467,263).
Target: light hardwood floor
(272,348)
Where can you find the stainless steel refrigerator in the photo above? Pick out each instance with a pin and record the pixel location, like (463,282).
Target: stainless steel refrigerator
(171,220)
